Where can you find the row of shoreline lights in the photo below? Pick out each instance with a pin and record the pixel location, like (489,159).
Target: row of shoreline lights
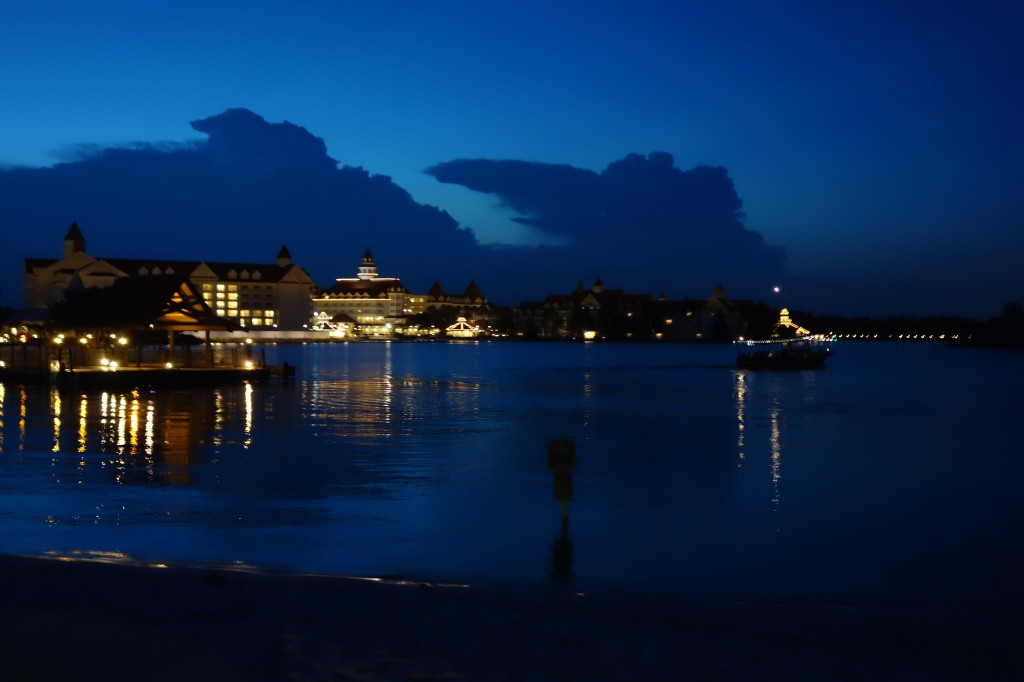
(112,365)
(905,337)
(858,337)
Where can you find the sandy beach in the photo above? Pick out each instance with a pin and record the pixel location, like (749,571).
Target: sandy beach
(113,621)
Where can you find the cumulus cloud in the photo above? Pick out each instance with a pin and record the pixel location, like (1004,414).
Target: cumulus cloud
(641,223)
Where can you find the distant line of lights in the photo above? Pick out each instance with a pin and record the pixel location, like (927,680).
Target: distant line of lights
(898,337)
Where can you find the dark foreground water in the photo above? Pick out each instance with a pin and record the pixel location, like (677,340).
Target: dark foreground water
(893,476)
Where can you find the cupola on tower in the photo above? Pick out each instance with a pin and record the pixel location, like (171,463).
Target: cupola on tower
(367,268)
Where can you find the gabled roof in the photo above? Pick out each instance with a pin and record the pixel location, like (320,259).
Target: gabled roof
(160,302)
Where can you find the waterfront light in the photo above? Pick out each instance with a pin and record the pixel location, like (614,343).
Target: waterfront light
(104,362)
(248,364)
(123,341)
(169,365)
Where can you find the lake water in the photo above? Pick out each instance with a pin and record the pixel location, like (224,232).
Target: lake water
(893,476)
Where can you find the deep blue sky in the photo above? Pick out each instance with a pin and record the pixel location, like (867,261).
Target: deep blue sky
(879,143)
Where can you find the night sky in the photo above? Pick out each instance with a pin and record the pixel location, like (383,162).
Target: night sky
(866,157)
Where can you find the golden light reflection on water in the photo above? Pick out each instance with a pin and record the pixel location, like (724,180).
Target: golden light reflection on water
(55,408)
(22,417)
(133,434)
(83,413)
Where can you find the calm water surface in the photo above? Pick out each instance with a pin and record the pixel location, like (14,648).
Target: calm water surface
(895,475)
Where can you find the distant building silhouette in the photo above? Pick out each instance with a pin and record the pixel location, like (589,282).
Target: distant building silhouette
(600,312)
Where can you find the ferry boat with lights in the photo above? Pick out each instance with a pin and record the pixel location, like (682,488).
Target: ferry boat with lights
(789,347)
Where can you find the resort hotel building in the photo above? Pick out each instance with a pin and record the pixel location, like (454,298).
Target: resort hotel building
(256,296)
(380,306)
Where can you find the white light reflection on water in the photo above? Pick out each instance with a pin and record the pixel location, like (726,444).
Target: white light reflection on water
(248,416)
(775,443)
(740,394)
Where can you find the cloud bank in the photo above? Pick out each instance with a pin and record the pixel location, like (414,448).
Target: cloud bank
(248,186)
(642,223)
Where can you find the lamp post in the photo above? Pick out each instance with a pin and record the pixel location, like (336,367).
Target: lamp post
(778,298)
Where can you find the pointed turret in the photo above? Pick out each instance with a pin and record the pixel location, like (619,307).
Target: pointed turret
(473,293)
(284,257)
(437,292)
(598,286)
(74,242)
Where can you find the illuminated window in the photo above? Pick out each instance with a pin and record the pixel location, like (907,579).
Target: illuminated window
(232,313)
(232,304)
(220,287)
(243,313)
(232,296)
(220,294)
(257,321)
(232,287)
(207,287)
(269,321)
(268,313)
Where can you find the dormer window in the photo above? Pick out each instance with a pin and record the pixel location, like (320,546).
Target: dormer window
(257,275)
(143,270)
(245,274)
(232,274)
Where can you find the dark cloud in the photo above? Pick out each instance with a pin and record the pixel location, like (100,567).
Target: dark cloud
(642,223)
(248,186)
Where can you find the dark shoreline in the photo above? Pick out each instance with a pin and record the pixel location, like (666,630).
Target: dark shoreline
(94,620)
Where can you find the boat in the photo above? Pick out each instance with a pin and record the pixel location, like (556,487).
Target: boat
(790,346)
